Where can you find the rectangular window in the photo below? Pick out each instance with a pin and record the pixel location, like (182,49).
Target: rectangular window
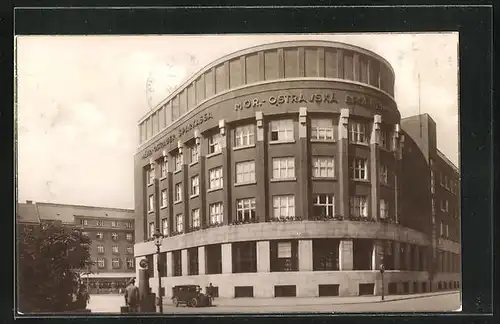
(130,250)
(164,168)
(99,235)
(128,224)
(323,167)
(195,185)
(357,133)
(323,205)
(178,161)
(178,192)
(164,226)
(83,222)
(151,229)
(385,140)
(441,230)
(384,174)
(113,224)
(164,198)
(283,207)
(283,168)
(216,213)
(195,218)
(432,182)
(244,136)
(100,249)
(129,237)
(100,223)
(114,236)
(447,230)
(116,263)
(101,264)
(179,222)
(384,209)
(322,129)
(150,175)
(446,205)
(359,206)
(215,177)
(214,143)
(195,153)
(359,170)
(284,250)
(282,130)
(115,249)
(245,209)
(130,263)
(151,203)
(245,171)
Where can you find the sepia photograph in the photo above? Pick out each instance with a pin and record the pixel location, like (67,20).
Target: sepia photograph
(237,173)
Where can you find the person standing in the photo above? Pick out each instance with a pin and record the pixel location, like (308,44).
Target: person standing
(210,291)
(132,297)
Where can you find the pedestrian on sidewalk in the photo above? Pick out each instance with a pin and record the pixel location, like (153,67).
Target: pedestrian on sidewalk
(210,291)
(132,297)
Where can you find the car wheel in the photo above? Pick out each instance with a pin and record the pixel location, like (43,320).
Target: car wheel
(194,302)
(175,302)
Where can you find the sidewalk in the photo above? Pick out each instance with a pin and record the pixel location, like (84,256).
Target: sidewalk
(311,301)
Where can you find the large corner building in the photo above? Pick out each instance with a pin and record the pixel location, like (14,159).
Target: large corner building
(286,170)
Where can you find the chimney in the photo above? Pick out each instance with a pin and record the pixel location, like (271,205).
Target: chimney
(29,202)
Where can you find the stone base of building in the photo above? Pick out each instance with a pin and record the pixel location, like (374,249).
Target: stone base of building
(313,283)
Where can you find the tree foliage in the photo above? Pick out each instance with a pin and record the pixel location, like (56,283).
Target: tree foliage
(51,258)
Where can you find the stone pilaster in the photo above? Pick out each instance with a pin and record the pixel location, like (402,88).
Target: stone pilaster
(397,253)
(304,165)
(261,169)
(343,163)
(202,260)
(227,258)
(170,264)
(226,170)
(263,257)
(184,262)
(346,253)
(185,185)
(305,255)
(398,143)
(407,254)
(416,258)
(375,167)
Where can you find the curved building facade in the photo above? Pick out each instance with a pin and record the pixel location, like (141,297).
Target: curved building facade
(278,171)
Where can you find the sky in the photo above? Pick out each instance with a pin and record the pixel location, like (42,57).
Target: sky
(79,99)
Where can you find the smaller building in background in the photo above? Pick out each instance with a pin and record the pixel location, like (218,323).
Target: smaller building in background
(110,229)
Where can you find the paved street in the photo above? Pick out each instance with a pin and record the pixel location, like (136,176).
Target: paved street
(411,303)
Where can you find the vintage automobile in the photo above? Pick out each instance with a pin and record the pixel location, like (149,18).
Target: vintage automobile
(191,296)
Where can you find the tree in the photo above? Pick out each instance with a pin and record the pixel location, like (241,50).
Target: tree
(51,258)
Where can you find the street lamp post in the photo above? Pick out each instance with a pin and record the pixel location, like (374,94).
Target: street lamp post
(382,270)
(158,237)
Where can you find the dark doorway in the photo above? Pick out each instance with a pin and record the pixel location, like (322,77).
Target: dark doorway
(362,254)
(193,261)
(284,255)
(415,287)
(326,255)
(177,263)
(244,257)
(213,255)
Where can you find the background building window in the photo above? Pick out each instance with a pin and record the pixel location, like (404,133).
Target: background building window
(195,153)
(359,169)
(323,167)
(179,222)
(130,250)
(129,237)
(283,168)
(214,143)
(215,176)
(164,197)
(83,222)
(178,161)
(113,224)
(323,205)
(283,207)
(322,129)
(164,169)
(216,213)
(359,206)
(151,175)
(384,174)
(384,209)
(282,130)
(114,249)
(99,235)
(151,203)
(130,263)
(128,224)
(245,209)
(195,218)
(100,223)
(195,185)
(164,226)
(101,263)
(115,263)
(385,140)
(114,236)
(244,136)
(245,171)
(151,229)
(178,192)
(100,248)
(357,132)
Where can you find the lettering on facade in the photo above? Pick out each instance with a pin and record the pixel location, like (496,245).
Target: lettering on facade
(183,129)
(363,101)
(286,99)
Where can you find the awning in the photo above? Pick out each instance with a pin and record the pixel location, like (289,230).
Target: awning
(125,275)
